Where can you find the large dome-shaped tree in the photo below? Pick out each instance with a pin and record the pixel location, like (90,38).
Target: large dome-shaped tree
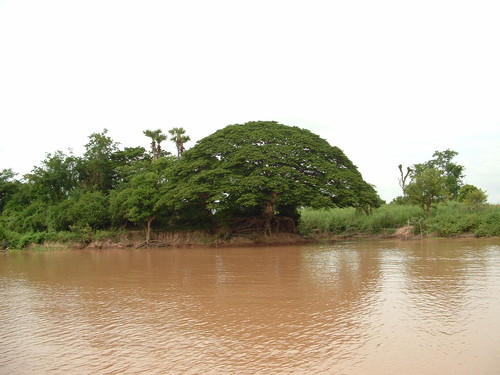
(266,169)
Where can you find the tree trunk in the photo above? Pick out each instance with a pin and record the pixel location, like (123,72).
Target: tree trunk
(268,213)
(427,208)
(148,230)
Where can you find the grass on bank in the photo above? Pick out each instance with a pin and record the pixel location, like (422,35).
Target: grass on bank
(447,219)
(77,236)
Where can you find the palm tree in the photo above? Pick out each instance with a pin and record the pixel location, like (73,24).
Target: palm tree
(157,137)
(179,139)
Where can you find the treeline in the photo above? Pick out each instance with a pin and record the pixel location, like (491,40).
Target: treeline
(243,178)
(79,198)
(434,201)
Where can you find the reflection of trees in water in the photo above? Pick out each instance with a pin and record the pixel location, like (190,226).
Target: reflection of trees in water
(291,304)
(217,309)
(265,306)
(346,279)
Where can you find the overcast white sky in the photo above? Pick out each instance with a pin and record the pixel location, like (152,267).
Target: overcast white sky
(388,82)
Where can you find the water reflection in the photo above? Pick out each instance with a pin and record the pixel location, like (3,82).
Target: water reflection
(348,308)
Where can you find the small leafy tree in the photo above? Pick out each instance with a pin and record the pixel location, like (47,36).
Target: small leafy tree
(137,201)
(452,172)
(82,210)
(31,217)
(428,187)
(97,169)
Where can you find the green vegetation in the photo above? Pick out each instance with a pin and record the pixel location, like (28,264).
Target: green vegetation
(263,172)
(434,201)
(342,221)
(245,177)
(258,177)
(456,218)
(427,188)
(447,219)
(179,138)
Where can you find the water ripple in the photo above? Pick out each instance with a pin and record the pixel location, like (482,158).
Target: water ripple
(351,308)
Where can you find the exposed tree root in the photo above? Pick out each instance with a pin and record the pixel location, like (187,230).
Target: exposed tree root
(275,224)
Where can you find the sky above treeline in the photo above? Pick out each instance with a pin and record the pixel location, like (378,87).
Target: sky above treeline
(388,82)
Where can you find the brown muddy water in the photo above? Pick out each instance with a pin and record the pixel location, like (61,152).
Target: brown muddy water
(364,307)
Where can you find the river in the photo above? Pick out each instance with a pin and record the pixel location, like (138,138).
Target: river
(354,307)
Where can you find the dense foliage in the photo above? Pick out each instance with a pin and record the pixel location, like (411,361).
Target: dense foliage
(259,174)
(254,177)
(264,169)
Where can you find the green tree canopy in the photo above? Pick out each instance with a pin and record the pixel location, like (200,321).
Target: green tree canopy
(472,195)
(138,199)
(452,172)
(82,210)
(98,168)
(55,178)
(8,186)
(130,161)
(266,168)
(428,187)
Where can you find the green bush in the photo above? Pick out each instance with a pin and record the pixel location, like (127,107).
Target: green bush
(17,241)
(31,218)
(88,209)
(490,225)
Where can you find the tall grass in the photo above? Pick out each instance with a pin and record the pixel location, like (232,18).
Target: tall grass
(455,218)
(448,219)
(350,220)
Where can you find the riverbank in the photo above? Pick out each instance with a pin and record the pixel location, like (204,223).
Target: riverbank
(135,239)
(450,220)
(446,220)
